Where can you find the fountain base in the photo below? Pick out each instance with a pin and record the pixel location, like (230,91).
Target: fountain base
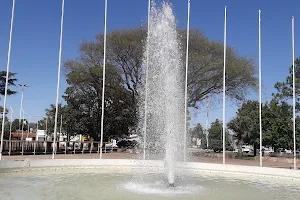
(171,185)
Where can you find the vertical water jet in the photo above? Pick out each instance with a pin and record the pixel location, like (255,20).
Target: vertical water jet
(165,88)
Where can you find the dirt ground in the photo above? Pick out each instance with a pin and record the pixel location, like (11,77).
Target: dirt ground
(267,161)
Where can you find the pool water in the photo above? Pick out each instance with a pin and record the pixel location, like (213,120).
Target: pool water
(104,184)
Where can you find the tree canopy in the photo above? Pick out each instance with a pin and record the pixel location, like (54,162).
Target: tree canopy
(246,125)
(205,75)
(124,75)
(125,52)
(285,89)
(11,82)
(83,97)
(277,117)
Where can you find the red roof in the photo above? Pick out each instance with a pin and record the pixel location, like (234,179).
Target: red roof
(25,134)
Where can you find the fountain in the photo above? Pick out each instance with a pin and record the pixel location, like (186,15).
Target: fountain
(165,101)
(116,178)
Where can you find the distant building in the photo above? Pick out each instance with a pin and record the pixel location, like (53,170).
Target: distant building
(41,135)
(18,135)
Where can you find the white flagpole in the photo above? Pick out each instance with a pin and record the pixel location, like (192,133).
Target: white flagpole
(103,86)
(186,80)
(58,76)
(7,74)
(259,66)
(146,82)
(224,86)
(294,93)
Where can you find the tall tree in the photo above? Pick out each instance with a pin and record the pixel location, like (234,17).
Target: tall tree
(16,127)
(215,136)
(50,115)
(197,132)
(84,99)
(277,125)
(246,125)
(285,89)
(125,52)
(206,69)
(6,128)
(11,82)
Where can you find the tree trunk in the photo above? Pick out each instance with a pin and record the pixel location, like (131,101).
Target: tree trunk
(240,151)
(255,149)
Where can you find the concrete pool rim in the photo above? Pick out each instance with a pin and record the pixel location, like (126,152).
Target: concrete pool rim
(7,166)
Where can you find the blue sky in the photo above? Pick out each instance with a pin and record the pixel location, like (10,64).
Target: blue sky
(36,31)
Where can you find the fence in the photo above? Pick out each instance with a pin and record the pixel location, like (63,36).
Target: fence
(19,147)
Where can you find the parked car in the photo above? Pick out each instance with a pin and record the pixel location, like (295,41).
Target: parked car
(268,151)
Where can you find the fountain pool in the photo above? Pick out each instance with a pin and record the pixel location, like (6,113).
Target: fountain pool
(137,179)
(116,182)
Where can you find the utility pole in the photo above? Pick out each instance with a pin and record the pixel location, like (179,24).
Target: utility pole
(60,124)
(21,107)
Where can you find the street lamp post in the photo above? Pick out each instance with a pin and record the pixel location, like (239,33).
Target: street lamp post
(21,107)
(22,140)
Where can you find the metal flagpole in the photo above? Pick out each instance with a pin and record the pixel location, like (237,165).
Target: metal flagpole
(294,93)
(22,132)
(206,124)
(259,66)
(103,86)
(146,82)
(186,80)
(58,76)
(224,86)
(21,104)
(7,74)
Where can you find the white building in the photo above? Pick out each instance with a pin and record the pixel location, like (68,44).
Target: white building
(41,135)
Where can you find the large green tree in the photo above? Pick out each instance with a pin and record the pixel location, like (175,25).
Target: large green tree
(49,119)
(205,75)
(125,52)
(17,125)
(285,88)
(277,124)
(197,132)
(285,94)
(84,100)
(125,55)
(246,125)
(6,128)
(215,136)
(11,82)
